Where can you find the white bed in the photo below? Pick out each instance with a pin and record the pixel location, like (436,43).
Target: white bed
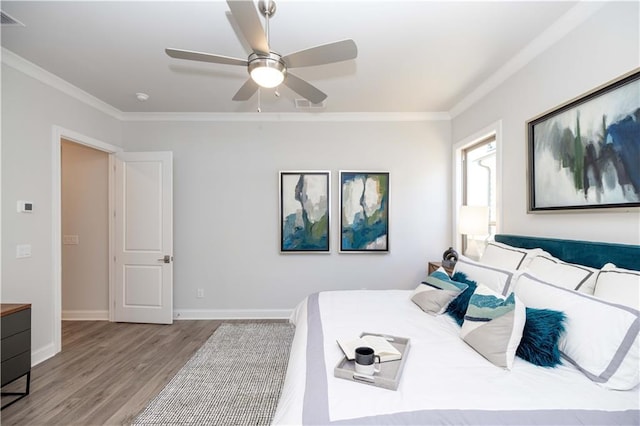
(444,381)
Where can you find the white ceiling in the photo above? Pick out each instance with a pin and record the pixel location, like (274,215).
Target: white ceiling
(413,56)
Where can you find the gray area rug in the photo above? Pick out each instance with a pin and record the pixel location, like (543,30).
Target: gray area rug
(235,378)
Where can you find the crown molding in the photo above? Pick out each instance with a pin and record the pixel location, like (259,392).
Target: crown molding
(288,117)
(556,31)
(32,70)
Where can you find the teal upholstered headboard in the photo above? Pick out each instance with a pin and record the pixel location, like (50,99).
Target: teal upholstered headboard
(589,253)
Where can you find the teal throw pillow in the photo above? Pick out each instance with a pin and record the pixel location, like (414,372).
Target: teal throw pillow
(437,292)
(493,325)
(541,333)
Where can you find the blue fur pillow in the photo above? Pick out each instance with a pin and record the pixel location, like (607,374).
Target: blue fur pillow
(458,307)
(539,344)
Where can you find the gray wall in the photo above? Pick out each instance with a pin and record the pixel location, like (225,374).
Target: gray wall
(226,206)
(30,110)
(604,47)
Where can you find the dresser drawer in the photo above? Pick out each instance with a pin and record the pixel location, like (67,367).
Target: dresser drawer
(15,367)
(15,323)
(16,344)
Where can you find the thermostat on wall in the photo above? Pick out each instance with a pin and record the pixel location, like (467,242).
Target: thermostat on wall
(25,207)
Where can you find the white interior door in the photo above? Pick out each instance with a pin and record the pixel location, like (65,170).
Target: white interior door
(143,281)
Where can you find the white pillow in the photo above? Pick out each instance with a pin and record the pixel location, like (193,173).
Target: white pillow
(508,257)
(601,338)
(493,325)
(619,285)
(497,279)
(563,274)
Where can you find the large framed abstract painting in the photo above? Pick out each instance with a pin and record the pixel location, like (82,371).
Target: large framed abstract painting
(585,154)
(364,212)
(304,211)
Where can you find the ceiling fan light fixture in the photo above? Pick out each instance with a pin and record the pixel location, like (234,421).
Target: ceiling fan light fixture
(267,68)
(267,71)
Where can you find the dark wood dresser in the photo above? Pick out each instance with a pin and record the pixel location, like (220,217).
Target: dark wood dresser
(15,328)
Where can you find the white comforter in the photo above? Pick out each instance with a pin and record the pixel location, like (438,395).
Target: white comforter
(444,380)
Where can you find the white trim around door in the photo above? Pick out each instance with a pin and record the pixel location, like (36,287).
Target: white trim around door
(58,134)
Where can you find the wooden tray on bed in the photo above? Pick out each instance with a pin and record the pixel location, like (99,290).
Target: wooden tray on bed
(390,371)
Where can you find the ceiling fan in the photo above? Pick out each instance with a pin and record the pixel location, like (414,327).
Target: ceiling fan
(268,68)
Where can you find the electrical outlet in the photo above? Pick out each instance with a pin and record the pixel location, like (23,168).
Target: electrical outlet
(200,293)
(70,240)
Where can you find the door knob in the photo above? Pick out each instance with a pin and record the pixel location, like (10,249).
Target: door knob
(165,259)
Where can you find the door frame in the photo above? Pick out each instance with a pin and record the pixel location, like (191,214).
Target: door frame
(60,133)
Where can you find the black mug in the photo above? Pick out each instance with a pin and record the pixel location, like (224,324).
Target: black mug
(366,361)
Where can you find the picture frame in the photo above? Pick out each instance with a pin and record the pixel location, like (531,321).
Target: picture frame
(585,154)
(305,211)
(364,212)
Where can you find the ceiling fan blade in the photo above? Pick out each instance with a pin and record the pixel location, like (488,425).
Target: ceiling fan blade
(246,91)
(304,89)
(204,57)
(246,16)
(324,54)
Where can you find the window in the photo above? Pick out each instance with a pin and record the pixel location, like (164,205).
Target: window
(477,175)
(479,185)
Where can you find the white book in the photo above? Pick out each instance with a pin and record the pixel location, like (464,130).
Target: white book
(381,346)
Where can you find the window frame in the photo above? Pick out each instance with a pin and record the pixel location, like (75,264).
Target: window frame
(464,151)
(493,131)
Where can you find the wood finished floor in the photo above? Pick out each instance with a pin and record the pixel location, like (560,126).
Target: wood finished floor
(106,372)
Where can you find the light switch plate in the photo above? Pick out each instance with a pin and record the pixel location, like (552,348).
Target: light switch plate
(23,250)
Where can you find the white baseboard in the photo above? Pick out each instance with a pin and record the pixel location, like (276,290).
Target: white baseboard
(190,314)
(217,314)
(42,354)
(85,315)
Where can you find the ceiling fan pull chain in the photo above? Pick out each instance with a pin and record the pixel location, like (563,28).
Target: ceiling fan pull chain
(259,99)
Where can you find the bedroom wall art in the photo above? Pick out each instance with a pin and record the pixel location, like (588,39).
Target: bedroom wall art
(304,211)
(364,212)
(585,154)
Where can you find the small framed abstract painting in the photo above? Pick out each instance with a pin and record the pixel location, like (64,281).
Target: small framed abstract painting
(364,212)
(304,211)
(585,154)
